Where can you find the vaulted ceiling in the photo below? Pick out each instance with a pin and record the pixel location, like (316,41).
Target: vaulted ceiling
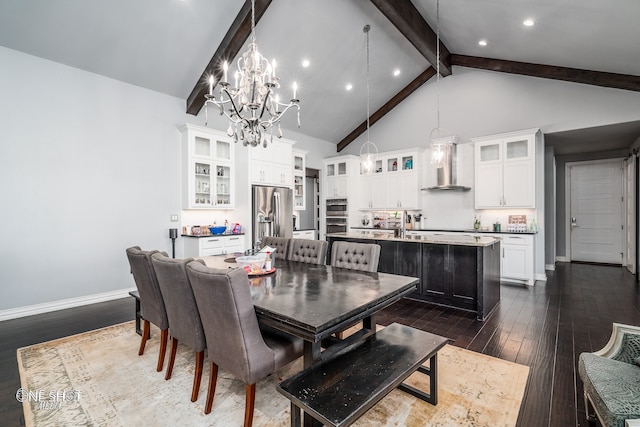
(167,45)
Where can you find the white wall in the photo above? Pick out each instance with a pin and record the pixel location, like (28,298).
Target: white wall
(88,167)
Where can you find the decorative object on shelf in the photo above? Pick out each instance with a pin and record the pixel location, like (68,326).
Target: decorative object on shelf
(368,151)
(253,105)
(440,138)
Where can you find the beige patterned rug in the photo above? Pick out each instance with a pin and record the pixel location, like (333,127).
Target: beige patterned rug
(98,379)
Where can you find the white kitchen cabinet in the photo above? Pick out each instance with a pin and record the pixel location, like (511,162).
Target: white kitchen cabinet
(208,172)
(505,170)
(305,234)
(213,245)
(272,165)
(517,258)
(299,175)
(337,172)
(394,185)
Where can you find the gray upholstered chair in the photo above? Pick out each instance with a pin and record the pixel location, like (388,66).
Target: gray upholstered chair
(611,379)
(355,256)
(235,342)
(309,251)
(151,302)
(280,243)
(185,325)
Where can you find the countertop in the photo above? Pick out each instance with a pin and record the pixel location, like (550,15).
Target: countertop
(449,230)
(212,235)
(476,240)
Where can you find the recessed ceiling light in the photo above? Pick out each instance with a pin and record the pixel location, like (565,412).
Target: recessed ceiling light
(305,63)
(528,23)
(482,42)
(349,86)
(396,72)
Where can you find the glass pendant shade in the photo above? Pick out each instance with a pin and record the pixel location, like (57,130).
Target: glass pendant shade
(368,156)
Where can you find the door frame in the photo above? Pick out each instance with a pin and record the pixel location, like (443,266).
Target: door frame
(567,200)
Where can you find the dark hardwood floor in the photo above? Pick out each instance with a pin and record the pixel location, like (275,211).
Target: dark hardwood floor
(545,327)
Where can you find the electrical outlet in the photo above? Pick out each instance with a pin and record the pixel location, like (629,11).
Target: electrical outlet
(174,218)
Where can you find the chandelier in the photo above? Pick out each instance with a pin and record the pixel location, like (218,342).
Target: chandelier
(368,151)
(440,138)
(251,103)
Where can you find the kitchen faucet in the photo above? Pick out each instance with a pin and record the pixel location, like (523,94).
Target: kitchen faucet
(403,231)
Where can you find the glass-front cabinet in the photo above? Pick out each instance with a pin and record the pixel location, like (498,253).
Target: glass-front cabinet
(208,176)
(505,171)
(299,186)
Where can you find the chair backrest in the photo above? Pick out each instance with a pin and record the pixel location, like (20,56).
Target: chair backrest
(309,251)
(355,256)
(280,243)
(184,318)
(234,340)
(151,301)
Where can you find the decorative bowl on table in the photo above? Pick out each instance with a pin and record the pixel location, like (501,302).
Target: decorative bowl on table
(252,264)
(217,230)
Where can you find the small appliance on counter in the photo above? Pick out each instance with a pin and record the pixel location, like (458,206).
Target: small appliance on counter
(366,220)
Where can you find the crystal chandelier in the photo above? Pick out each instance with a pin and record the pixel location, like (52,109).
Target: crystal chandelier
(251,104)
(368,151)
(440,138)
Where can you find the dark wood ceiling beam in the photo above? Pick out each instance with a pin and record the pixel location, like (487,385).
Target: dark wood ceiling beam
(231,44)
(390,105)
(406,18)
(596,78)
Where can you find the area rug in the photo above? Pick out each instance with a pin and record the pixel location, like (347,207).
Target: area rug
(97,378)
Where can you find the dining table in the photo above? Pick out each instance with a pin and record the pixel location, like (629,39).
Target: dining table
(316,302)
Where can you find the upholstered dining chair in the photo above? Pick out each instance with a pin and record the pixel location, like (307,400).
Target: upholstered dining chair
(309,251)
(355,256)
(235,342)
(280,243)
(151,302)
(185,325)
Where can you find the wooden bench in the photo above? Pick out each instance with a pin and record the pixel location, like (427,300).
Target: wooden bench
(339,390)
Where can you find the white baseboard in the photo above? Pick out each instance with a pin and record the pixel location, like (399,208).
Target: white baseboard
(562,259)
(46,307)
(550,267)
(541,277)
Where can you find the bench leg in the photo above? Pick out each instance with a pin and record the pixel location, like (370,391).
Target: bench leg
(432,373)
(295,415)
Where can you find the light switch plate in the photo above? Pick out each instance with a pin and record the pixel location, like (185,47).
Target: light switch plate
(174,218)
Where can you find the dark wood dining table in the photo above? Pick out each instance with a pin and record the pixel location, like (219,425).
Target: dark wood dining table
(314,302)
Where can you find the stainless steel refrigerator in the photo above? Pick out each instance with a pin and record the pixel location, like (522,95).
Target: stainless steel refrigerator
(272,213)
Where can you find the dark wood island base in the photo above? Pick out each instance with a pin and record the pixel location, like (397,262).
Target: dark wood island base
(455,271)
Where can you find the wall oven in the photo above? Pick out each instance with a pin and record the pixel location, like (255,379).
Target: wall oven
(337,216)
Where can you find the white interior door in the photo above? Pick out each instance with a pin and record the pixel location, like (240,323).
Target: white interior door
(596,212)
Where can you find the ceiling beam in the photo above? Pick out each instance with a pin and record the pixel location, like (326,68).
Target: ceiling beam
(397,99)
(406,18)
(231,44)
(596,78)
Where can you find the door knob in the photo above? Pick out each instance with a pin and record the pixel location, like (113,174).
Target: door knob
(573,222)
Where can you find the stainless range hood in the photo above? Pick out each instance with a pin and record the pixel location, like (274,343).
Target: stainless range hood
(446,175)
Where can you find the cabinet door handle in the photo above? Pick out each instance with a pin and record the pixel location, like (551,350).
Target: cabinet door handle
(234,238)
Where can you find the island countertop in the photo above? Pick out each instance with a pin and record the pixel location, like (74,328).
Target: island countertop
(476,240)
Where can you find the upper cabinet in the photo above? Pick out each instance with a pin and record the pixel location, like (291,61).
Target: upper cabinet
(272,165)
(299,186)
(395,183)
(337,171)
(505,170)
(208,171)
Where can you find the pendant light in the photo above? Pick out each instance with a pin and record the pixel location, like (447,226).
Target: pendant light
(440,138)
(368,151)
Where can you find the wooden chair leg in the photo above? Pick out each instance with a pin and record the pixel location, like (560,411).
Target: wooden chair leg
(145,334)
(197,375)
(213,378)
(172,358)
(163,348)
(251,401)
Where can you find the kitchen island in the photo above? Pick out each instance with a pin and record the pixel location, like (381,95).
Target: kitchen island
(455,271)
